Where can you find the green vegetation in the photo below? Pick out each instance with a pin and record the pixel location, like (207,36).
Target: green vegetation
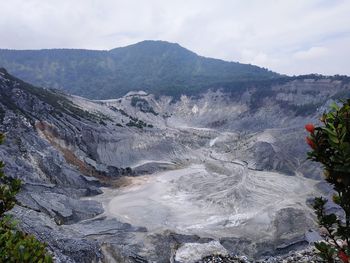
(153,66)
(336,77)
(156,67)
(134,122)
(58,100)
(330,145)
(16,246)
(142,105)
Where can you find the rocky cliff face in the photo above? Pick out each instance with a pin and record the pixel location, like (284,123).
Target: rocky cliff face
(236,161)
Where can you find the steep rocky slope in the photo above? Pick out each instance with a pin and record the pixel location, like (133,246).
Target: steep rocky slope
(135,178)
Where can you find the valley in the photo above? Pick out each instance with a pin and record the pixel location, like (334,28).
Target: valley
(132,179)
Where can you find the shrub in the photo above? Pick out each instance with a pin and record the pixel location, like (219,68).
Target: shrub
(15,245)
(330,145)
(143,105)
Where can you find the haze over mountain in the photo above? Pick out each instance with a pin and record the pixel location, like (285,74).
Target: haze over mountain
(157,67)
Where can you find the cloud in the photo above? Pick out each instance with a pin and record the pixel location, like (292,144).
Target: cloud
(288,36)
(311,53)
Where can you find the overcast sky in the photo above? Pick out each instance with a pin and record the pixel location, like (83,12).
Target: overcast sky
(287,36)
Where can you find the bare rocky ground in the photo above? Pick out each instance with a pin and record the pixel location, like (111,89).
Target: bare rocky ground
(303,256)
(115,181)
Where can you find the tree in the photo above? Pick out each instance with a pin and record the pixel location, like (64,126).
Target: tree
(330,145)
(15,245)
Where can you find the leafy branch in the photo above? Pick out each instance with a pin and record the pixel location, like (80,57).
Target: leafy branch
(330,145)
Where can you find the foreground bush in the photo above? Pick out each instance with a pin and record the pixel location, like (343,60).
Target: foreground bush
(330,145)
(16,246)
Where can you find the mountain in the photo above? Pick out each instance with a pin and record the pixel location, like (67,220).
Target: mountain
(157,67)
(137,178)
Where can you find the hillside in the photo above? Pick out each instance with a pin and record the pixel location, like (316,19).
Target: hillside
(132,178)
(156,67)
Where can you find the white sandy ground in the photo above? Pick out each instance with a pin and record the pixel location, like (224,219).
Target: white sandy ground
(150,161)
(208,200)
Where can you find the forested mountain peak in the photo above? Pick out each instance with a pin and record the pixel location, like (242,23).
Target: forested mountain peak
(157,67)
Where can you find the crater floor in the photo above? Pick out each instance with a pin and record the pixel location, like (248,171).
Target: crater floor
(212,199)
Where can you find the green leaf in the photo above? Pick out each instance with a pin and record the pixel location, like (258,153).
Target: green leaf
(330,131)
(334,106)
(334,139)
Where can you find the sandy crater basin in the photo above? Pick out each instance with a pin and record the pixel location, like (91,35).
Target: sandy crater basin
(210,199)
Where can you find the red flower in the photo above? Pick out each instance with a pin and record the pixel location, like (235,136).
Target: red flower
(343,256)
(310,142)
(310,127)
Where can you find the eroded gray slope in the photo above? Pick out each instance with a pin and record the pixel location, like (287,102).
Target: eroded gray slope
(64,148)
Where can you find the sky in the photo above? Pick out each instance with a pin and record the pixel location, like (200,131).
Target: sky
(287,36)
